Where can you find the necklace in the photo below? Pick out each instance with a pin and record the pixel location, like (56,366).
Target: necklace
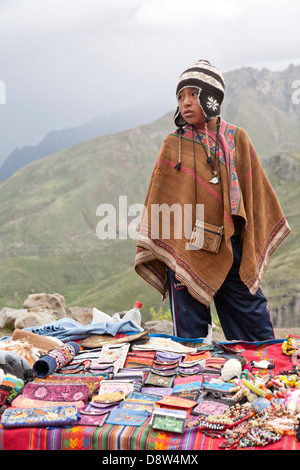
(211,161)
(236,414)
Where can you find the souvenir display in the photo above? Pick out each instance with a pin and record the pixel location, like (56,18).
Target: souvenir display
(169,390)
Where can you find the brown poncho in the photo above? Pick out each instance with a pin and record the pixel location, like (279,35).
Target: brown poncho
(247,201)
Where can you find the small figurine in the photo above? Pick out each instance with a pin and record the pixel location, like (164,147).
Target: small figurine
(264,364)
(289,346)
(290,381)
(292,400)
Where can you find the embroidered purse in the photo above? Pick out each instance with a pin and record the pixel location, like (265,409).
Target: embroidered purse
(24,402)
(169,420)
(56,392)
(54,416)
(92,420)
(127,417)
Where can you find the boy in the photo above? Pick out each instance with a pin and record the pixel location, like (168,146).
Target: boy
(209,162)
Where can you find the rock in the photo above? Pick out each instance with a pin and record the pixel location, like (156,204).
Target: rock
(81,314)
(159,327)
(53,303)
(8,317)
(31,319)
(287,315)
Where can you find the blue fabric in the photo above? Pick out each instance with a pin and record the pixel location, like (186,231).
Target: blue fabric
(44,366)
(67,329)
(243,316)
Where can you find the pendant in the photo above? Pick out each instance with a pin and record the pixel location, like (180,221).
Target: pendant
(214,180)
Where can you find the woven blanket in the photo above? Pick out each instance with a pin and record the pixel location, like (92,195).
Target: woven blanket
(245,195)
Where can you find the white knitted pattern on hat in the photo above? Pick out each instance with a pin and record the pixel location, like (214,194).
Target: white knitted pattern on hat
(201,76)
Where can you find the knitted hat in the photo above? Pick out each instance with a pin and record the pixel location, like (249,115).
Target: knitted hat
(210,82)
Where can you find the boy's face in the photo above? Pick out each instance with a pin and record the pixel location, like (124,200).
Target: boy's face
(189,107)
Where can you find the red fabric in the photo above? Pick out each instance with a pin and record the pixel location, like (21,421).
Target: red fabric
(268,351)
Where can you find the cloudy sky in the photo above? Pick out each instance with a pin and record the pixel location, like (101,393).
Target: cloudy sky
(64,62)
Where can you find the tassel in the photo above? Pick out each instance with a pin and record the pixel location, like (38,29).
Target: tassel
(178,165)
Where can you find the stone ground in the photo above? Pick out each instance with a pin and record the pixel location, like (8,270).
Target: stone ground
(280,333)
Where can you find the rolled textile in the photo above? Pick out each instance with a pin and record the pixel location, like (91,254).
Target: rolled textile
(55,359)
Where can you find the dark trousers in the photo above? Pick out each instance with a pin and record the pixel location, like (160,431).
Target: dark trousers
(243,316)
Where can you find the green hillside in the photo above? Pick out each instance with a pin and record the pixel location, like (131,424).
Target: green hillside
(48,221)
(48,217)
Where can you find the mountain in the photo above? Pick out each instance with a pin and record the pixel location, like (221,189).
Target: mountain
(61,139)
(49,219)
(262,102)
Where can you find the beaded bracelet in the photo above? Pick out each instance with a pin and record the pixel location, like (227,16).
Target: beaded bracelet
(232,417)
(259,437)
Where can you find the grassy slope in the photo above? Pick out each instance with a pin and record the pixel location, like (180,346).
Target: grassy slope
(48,220)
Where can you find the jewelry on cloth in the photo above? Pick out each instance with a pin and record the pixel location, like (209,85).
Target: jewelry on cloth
(234,415)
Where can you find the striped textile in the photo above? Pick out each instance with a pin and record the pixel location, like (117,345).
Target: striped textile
(120,438)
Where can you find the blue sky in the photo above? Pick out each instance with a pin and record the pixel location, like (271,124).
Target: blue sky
(65,62)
